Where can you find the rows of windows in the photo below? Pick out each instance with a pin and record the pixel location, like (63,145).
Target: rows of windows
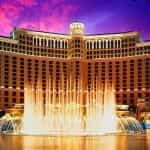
(43,42)
(90,54)
(13,72)
(121,98)
(38,51)
(118,52)
(56,72)
(9,97)
(12,93)
(78,52)
(127,75)
(103,44)
(129,42)
(8,46)
(131,97)
(121,72)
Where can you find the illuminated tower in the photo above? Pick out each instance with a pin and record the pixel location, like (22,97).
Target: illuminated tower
(77,49)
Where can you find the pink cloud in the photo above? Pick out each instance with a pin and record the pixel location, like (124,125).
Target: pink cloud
(49,17)
(5,24)
(50,23)
(27,3)
(55,21)
(8,15)
(56,2)
(10,10)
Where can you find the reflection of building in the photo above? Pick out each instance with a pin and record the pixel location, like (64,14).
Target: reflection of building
(87,60)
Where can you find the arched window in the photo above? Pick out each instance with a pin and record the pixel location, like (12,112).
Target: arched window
(34,41)
(66,44)
(108,44)
(45,42)
(119,44)
(97,44)
(38,42)
(56,46)
(104,44)
(49,43)
(90,44)
(41,42)
(63,44)
(87,45)
(116,44)
(52,42)
(94,44)
(112,44)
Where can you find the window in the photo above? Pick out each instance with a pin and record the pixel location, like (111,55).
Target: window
(6,93)
(6,99)
(22,94)
(124,102)
(14,94)
(14,100)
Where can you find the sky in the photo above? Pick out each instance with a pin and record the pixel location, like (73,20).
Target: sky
(99,16)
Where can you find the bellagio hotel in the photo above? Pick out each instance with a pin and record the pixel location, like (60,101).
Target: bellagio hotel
(121,58)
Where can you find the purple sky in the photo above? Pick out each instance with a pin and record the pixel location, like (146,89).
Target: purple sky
(99,16)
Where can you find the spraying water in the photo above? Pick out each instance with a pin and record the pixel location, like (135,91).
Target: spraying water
(68,113)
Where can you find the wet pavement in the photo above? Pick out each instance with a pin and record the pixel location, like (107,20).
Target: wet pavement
(106,142)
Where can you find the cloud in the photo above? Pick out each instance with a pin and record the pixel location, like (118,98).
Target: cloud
(27,3)
(9,13)
(10,10)
(51,16)
(52,21)
(5,24)
(56,2)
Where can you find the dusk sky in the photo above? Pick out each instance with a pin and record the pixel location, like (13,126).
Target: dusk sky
(99,16)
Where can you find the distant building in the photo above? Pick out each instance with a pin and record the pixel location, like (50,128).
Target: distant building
(74,61)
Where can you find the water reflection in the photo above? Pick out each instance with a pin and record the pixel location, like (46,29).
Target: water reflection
(138,142)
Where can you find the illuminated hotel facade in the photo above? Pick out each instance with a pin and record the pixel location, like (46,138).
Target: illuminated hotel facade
(86,61)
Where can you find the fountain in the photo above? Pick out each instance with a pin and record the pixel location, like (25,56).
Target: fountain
(68,113)
(9,124)
(130,125)
(75,112)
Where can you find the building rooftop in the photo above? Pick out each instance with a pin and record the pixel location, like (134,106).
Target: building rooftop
(39,33)
(145,43)
(121,34)
(8,39)
(75,28)
(128,33)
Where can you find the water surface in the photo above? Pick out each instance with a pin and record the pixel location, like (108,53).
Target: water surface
(109,142)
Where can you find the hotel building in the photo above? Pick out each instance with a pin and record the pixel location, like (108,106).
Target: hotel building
(74,61)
